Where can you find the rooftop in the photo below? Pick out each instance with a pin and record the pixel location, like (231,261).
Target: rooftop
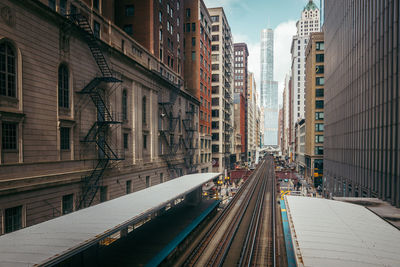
(52,241)
(310,6)
(334,233)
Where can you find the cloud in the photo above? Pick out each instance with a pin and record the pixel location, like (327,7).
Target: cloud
(283,34)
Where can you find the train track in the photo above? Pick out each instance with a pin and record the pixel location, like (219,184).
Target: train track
(252,200)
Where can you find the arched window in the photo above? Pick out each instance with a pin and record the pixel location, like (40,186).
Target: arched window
(63,86)
(8,71)
(144,110)
(124,105)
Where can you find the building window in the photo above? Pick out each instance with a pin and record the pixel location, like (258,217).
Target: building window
(124,105)
(96,29)
(161,178)
(67,204)
(319,104)
(52,4)
(187,27)
(9,135)
(63,86)
(319,58)
(215,18)
(319,46)
(193,27)
(193,55)
(144,110)
(96,4)
(129,10)
(319,150)
(319,81)
(144,141)
(319,115)
(319,127)
(147,181)
(319,139)
(7,70)
(128,29)
(193,41)
(128,187)
(64,138)
(188,12)
(103,193)
(12,219)
(215,28)
(63,7)
(319,69)
(319,92)
(126,139)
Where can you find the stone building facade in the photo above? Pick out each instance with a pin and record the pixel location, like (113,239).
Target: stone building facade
(87,114)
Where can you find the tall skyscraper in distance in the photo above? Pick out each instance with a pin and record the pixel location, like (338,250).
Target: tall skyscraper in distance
(269,88)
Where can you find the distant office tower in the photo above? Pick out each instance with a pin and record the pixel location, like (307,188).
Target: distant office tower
(308,23)
(362,114)
(269,88)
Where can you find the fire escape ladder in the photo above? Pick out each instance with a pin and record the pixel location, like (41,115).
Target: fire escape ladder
(99,133)
(82,22)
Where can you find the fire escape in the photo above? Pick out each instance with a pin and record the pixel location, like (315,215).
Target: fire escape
(100,133)
(167,134)
(188,140)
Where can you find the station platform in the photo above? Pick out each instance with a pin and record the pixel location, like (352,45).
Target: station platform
(151,243)
(328,233)
(82,232)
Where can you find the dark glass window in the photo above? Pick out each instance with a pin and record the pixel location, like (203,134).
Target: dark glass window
(215,18)
(215,148)
(187,27)
(64,138)
(188,12)
(9,135)
(319,81)
(124,105)
(96,29)
(12,219)
(319,69)
(215,28)
(215,125)
(319,104)
(128,187)
(63,86)
(147,181)
(144,110)
(193,27)
(67,204)
(144,141)
(129,10)
(319,92)
(52,4)
(128,29)
(215,113)
(7,70)
(215,136)
(126,136)
(319,58)
(63,7)
(96,4)
(103,193)
(193,41)
(319,150)
(215,37)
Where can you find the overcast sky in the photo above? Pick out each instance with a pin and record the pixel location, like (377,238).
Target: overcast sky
(248,17)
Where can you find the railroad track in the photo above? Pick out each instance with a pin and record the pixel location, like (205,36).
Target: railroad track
(251,200)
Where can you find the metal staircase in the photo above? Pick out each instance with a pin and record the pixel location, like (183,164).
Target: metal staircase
(188,141)
(100,132)
(167,134)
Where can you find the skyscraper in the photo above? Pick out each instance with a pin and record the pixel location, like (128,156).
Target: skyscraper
(269,88)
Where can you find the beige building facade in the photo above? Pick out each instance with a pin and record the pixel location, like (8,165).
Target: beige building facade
(222,90)
(314,108)
(87,114)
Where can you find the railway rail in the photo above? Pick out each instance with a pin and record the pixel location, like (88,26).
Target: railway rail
(255,236)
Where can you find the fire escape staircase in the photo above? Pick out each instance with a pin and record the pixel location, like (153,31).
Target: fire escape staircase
(188,142)
(98,133)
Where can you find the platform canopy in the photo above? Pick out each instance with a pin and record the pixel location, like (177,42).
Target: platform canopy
(334,233)
(57,239)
